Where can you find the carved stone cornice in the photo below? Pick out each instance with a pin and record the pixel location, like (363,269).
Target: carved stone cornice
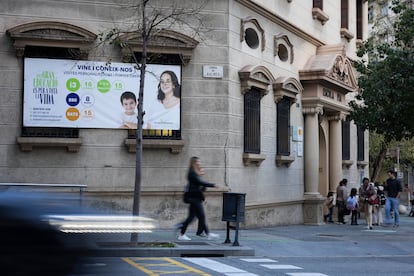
(315,109)
(286,87)
(281,21)
(162,42)
(51,34)
(256,76)
(338,116)
(331,68)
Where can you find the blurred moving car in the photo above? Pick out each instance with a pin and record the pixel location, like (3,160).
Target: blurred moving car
(29,244)
(50,234)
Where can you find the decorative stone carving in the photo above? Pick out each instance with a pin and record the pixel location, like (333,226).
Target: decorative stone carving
(340,70)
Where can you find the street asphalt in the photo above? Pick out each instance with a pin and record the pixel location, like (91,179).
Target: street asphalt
(325,240)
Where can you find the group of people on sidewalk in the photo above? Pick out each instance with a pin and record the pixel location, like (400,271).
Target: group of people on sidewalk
(371,198)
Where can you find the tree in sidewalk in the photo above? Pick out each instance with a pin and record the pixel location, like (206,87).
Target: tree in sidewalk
(385,100)
(151,18)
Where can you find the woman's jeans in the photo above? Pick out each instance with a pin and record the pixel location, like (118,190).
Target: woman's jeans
(392,203)
(196,209)
(341,208)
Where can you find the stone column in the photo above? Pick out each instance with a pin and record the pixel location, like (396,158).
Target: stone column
(313,201)
(335,150)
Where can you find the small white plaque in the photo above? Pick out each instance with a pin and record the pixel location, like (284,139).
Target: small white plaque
(212,71)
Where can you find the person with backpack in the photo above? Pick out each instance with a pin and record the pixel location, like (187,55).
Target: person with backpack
(379,204)
(352,205)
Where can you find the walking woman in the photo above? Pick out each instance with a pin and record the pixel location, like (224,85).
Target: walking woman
(368,194)
(196,186)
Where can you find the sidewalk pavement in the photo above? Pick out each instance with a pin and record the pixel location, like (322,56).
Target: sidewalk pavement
(325,240)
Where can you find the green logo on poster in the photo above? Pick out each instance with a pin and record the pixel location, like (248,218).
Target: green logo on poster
(72,84)
(104,86)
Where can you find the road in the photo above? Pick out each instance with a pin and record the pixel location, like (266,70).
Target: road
(251,266)
(296,250)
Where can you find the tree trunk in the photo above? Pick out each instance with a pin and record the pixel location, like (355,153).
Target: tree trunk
(138,163)
(378,161)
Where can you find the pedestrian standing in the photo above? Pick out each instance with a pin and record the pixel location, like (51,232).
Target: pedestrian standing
(393,188)
(196,186)
(328,208)
(341,196)
(352,205)
(379,203)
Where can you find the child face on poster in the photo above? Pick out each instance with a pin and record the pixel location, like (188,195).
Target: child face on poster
(129,106)
(129,103)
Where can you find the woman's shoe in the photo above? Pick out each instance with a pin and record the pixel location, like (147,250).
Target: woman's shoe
(212,236)
(184,237)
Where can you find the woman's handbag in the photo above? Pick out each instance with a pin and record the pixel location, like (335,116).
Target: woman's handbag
(186,194)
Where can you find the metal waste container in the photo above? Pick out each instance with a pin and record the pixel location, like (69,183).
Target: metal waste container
(233,211)
(233,207)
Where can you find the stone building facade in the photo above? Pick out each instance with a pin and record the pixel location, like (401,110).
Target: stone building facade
(263,103)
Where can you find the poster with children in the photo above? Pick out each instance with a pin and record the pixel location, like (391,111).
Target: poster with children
(94,94)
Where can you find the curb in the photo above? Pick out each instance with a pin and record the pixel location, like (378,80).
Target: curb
(183,249)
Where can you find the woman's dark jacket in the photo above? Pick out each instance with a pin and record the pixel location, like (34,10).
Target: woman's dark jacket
(196,185)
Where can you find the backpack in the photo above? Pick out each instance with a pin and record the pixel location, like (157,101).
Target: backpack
(351,203)
(382,198)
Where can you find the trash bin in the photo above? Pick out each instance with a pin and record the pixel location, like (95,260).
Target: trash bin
(233,211)
(233,207)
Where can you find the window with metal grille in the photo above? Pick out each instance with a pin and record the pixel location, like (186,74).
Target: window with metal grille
(359,15)
(57,53)
(252,121)
(156,134)
(360,143)
(346,152)
(344,14)
(318,4)
(283,127)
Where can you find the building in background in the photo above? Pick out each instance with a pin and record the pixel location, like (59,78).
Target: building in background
(263,102)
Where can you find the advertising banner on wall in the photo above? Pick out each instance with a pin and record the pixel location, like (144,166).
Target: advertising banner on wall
(92,94)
